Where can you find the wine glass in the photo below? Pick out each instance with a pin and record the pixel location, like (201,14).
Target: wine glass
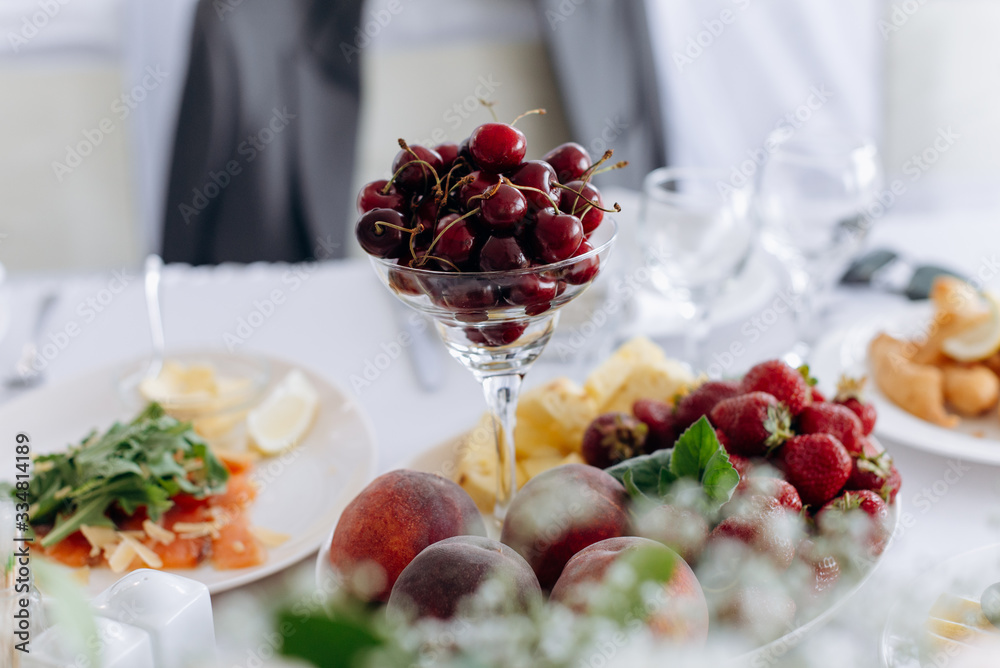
(813,198)
(697,235)
(496,323)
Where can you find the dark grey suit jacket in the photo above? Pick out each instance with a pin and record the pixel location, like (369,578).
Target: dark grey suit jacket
(264,150)
(602,56)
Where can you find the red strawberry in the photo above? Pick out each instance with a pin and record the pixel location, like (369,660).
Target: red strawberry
(865,412)
(702,400)
(871,448)
(849,395)
(659,417)
(776,488)
(826,570)
(755,522)
(831,518)
(877,474)
(817,465)
(817,396)
(835,420)
(742,465)
(780,380)
(752,423)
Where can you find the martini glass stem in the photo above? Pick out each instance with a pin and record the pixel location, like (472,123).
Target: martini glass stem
(501,391)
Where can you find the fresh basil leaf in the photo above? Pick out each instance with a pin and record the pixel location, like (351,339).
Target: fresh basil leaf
(720,478)
(693,450)
(645,471)
(667,479)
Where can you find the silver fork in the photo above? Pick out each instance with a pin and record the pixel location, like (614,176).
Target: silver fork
(153,269)
(25,374)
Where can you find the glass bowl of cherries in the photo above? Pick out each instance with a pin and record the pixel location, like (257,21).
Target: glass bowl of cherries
(490,246)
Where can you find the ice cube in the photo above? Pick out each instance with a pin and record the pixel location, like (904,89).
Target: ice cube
(176,613)
(116,645)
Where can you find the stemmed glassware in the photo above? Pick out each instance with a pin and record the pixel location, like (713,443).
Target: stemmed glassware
(497,324)
(697,234)
(815,197)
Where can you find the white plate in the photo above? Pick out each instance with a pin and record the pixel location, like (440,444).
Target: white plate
(302,493)
(968,574)
(442,459)
(846,351)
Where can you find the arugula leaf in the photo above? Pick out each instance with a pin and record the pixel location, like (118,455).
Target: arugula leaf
(140,464)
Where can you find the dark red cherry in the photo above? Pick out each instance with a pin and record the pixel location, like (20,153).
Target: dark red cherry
(555,235)
(500,334)
(381,240)
(455,242)
(448,152)
(503,209)
(531,291)
(466,154)
(502,254)
(483,182)
(569,160)
(403,281)
(497,147)
(416,178)
(540,175)
(469,295)
(582,271)
(426,214)
(572,203)
(371,197)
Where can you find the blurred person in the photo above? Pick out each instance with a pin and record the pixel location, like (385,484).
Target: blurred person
(264,150)
(703,82)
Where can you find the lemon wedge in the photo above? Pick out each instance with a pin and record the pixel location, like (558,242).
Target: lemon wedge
(978,342)
(284,417)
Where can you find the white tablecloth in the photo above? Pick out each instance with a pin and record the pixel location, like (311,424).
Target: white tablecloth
(336,317)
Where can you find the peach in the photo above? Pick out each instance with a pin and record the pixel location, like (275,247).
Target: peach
(560,512)
(391,521)
(681,614)
(435,583)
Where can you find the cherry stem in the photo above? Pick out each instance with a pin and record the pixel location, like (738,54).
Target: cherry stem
(379,224)
(585,177)
(489,105)
(579,194)
(532,189)
(448,227)
(617,165)
(413,240)
(489,193)
(416,161)
(468,178)
(540,112)
(425,257)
